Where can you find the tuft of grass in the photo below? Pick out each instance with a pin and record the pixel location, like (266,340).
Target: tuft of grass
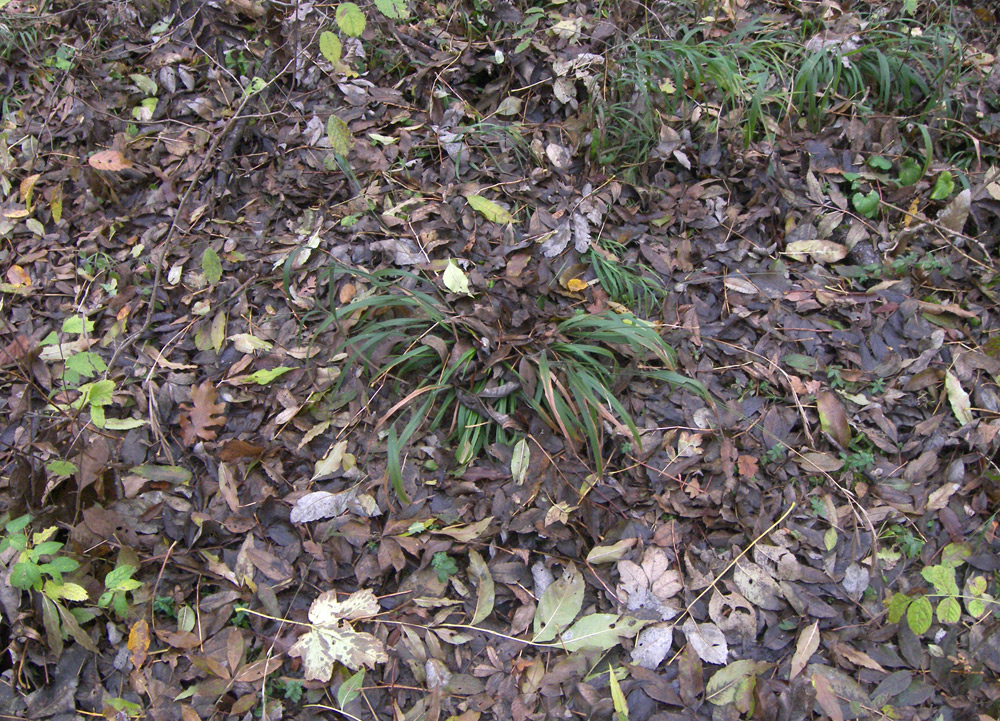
(760,75)
(399,334)
(635,286)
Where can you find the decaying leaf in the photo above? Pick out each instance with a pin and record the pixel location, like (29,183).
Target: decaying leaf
(559,605)
(489,210)
(598,631)
(650,585)
(958,398)
(455,279)
(322,504)
(485,593)
(332,639)
(821,251)
(111,160)
(708,641)
(652,645)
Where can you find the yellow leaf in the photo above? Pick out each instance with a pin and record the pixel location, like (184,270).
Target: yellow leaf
(489,210)
(339,135)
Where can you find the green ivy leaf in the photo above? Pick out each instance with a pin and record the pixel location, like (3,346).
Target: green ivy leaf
(96,394)
(868,204)
(86,364)
(919,615)
(880,163)
(18,524)
(909,172)
(211,266)
(350,19)
(75,325)
(116,578)
(339,135)
(329,45)
(943,187)
(25,575)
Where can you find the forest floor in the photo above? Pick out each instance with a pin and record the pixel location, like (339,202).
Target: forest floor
(507,361)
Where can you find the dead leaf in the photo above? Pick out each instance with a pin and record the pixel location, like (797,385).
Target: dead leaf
(833,418)
(111,160)
(821,251)
(805,647)
(198,420)
(138,642)
(708,640)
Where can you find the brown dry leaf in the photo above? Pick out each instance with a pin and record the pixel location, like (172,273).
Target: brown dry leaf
(747,466)
(833,418)
(111,160)
(138,642)
(826,698)
(198,420)
(805,647)
(18,277)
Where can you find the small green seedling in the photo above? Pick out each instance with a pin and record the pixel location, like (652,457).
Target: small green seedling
(118,583)
(444,565)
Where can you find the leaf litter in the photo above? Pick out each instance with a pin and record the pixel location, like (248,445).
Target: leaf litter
(818,528)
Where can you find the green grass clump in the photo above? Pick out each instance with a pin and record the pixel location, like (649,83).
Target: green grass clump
(400,334)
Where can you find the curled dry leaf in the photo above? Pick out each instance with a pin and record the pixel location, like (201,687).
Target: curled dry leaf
(111,160)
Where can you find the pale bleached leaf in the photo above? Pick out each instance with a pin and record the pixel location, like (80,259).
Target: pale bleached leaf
(805,647)
(821,251)
(707,640)
(322,504)
(519,461)
(612,553)
(323,646)
(652,645)
(958,398)
(326,609)
(455,279)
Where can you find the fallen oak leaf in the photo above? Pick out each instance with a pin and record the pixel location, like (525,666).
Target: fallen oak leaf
(198,419)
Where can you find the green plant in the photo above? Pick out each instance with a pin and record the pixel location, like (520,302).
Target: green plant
(165,605)
(919,609)
(904,538)
(774,454)
(39,568)
(118,584)
(636,286)
(444,565)
(31,571)
(400,331)
(290,688)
